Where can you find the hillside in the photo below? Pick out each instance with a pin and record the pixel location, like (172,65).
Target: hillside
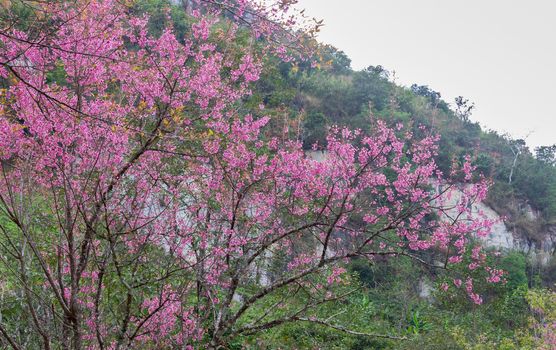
(204,174)
(313,99)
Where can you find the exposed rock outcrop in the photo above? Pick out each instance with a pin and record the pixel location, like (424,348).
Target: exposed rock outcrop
(503,237)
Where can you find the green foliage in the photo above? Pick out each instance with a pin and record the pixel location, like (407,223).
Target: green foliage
(315,129)
(387,301)
(417,324)
(515,266)
(159,15)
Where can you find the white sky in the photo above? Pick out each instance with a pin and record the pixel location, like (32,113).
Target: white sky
(500,54)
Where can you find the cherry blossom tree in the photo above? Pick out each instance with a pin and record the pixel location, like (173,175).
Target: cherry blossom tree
(142,207)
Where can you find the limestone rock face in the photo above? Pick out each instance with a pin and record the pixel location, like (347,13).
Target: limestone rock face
(502,238)
(425,289)
(319,156)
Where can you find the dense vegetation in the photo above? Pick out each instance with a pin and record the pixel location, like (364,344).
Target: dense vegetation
(333,93)
(391,303)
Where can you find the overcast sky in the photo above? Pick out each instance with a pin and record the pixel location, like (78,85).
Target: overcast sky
(500,54)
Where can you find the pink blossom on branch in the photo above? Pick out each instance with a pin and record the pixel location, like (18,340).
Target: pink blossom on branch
(163,206)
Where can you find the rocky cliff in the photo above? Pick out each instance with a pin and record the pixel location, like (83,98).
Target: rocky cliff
(505,236)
